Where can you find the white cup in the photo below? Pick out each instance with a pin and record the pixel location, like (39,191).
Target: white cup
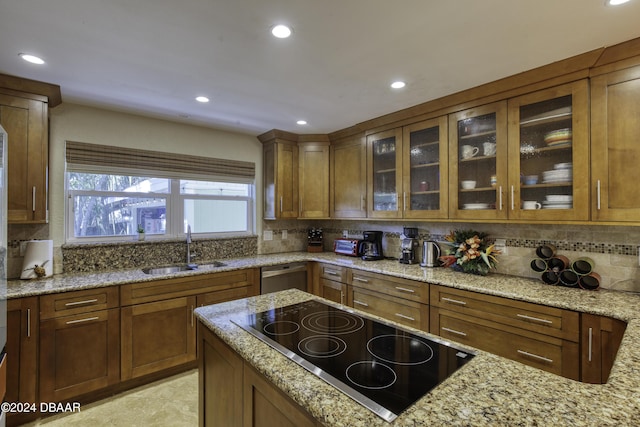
(469,151)
(468,185)
(531,204)
(489,148)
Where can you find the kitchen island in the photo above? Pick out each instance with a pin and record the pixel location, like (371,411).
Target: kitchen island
(489,390)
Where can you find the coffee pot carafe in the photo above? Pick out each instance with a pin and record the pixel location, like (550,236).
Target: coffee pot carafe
(371,246)
(430,254)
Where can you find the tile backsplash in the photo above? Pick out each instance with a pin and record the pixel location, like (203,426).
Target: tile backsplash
(614,249)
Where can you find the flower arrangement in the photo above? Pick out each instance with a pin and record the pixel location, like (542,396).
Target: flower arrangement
(470,252)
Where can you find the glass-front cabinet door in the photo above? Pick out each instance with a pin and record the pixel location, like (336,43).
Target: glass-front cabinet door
(384,163)
(548,154)
(478,153)
(425,169)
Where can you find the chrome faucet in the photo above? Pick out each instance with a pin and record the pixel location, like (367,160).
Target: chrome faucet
(189,264)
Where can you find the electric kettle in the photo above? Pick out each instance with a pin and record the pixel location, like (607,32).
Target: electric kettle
(430,254)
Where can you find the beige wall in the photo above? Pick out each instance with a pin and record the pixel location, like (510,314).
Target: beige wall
(93,125)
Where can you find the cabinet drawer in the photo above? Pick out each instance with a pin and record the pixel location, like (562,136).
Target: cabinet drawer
(551,321)
(158,290)
(554,355)
(402,311)
(69,303)
(333,272)
(394,286)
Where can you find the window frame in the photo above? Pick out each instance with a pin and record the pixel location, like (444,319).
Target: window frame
(175,227)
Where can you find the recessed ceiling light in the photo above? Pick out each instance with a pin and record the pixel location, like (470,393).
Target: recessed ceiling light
(202,99)
(31,58)
(301,122)
(281,31)
(615,2)
(398,85)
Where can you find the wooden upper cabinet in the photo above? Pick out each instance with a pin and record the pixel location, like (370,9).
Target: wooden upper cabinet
(425,169)
(280,175)
(348,178)
(615,128)
(25,118)
(549,154)
(384,166)
(478,176)
(313,179)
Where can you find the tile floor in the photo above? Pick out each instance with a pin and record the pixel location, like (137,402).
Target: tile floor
(169,402)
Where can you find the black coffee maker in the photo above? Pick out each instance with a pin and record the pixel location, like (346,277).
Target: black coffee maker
(371,246)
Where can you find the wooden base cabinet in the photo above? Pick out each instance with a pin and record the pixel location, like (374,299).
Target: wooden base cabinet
(79,342)
(22,355)
(157,336)
(540,336)
(79,354)
(600,338)
(401,300)
(232,393)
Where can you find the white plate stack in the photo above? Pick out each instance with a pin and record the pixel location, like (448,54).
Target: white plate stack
(561,172)
(558,201)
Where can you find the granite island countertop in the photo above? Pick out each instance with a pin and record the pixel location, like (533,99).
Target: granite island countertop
(487,391)
(490,390)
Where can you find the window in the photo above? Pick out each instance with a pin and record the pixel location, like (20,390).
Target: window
(110,203)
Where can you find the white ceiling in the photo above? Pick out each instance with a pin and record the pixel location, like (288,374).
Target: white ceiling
(152,57)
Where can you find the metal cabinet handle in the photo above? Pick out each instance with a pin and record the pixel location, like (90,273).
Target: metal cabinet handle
(590,342)
(88,319)
(359,279)
(500,196)
(535,319)
(28,323)
(535,356)
(598,193)
(331,272)
(280,204)
(342,297)
(411,291)
(89,301)
(453,301)
(405,317)
(192,315)
(513,203)
(361,202)
(404,201)
(453,331)
(33,196)
(364,304)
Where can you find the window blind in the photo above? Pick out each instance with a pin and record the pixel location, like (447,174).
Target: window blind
(85,157)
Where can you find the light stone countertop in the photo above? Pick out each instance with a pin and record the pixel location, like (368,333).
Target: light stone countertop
(490,390)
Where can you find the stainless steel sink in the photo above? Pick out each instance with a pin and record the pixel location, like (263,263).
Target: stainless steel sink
(181,267)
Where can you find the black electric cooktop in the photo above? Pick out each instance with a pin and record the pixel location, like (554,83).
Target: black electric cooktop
(383,367)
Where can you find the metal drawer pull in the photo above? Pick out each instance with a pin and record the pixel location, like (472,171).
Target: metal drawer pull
(454,301)
(33,201)
(28,323)
(88,319)
(405,290)
(535,319)
(331,272)
(360,279)
(364,304)
(341,297)
(535,356)
(453,331)
(405,317)
(89,301)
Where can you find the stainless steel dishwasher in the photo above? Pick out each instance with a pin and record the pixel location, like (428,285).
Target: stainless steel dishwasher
(284,276)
